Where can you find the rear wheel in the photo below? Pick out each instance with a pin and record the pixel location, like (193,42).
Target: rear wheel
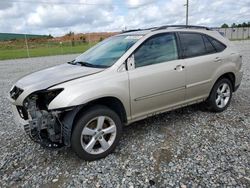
(96,133)
(220,96)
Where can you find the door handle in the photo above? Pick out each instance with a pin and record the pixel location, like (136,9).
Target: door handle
(217,59)
(179,67)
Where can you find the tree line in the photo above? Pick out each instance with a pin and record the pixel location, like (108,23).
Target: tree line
(244,24)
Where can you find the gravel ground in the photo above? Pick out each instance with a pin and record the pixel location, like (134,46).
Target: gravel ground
(188,147)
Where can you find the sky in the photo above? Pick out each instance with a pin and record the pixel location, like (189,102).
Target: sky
(58,17)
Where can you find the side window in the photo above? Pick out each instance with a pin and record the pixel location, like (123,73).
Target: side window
(218,45)
(192,44)
(158,49)
(209,47)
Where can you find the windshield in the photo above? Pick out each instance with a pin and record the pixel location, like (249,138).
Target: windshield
(106,53)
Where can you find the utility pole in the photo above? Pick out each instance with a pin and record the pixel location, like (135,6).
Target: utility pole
(187,5)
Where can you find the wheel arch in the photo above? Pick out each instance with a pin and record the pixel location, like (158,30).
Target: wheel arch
(70,118)
(210,102)
(111,102)
(230,76)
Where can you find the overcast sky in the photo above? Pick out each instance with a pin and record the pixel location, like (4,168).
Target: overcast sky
(58,17)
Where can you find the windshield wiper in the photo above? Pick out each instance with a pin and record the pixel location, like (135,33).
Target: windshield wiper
(86,64)
(71,62)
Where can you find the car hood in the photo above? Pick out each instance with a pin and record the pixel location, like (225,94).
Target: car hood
(55,75)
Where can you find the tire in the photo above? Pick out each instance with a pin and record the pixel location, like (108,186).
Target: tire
(217,95)
(99,128)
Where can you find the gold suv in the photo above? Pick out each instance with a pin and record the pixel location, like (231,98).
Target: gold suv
(131,76)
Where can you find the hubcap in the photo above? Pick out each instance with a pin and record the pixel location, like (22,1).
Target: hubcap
(98,135)
(223,95)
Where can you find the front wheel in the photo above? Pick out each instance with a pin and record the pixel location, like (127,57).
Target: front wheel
(96,133)
(220,96)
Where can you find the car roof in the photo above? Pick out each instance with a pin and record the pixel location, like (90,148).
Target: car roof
(165,27)
(176,28)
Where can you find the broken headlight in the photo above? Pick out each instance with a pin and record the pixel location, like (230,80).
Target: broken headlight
(41,98)
(15,92)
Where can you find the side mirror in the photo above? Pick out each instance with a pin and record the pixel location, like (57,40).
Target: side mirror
(131,62)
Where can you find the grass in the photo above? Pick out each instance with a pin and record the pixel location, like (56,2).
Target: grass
(239,39)
(17,49)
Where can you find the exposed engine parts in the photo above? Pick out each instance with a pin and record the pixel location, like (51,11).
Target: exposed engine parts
(44,126)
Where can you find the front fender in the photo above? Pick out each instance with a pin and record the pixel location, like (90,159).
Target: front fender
(80,92)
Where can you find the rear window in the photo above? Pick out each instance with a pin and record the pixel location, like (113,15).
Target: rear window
(192,44)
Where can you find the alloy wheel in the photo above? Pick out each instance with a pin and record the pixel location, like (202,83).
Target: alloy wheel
(98,135)
(223,95)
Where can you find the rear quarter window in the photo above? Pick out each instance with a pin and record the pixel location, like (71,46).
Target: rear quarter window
(209,47)
(217,45)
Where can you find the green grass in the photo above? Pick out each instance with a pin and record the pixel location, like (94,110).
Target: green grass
(9,36)
(18,50)
(239,39)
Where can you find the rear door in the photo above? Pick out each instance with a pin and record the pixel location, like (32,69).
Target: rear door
(202,60)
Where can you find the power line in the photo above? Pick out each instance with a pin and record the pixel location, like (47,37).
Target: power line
(53,2)
(71,3)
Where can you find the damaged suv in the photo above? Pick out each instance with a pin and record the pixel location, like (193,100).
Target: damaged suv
(131,76)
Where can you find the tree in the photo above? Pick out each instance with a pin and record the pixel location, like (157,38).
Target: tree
(101,39)
(234,25)
(224,25)
(83,39)
(49,36)
(244,24)
(70,34)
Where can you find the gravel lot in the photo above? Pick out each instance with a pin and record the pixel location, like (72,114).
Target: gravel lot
(188,147)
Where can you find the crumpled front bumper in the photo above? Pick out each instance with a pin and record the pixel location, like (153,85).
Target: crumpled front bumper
(33,129)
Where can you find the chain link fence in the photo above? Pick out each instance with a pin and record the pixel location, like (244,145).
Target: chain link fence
(34,48)
(235,33)
(25,47)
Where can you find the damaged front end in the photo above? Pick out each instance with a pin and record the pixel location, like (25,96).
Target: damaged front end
(45,126)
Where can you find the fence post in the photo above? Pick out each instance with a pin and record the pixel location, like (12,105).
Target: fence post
(243,31)
(61,47)
(248,32)
(232,33)
(27,47)
(48,46)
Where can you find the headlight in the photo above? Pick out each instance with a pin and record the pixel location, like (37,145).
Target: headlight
(15,92)
(51,94)
(41,98)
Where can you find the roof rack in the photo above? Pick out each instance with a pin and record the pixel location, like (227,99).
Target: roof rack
(183,26)
(132,30)
(168,26)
